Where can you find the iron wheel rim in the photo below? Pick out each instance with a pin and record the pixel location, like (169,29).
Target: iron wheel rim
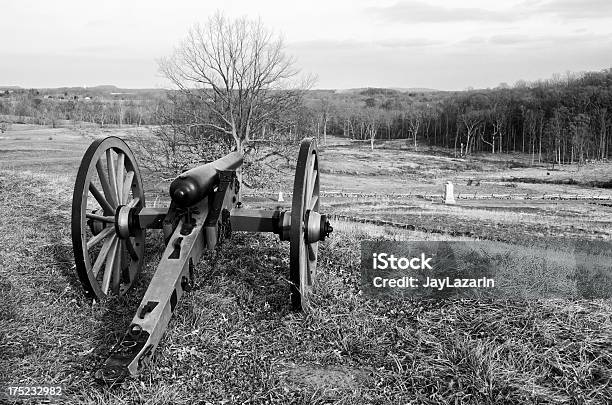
(91,268)
(303,255)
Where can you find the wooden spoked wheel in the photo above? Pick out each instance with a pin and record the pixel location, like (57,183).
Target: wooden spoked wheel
(303,255)
(107,181)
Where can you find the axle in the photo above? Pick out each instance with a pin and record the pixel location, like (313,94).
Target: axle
(205,208)
(279,222)
(241,219)
(174,273)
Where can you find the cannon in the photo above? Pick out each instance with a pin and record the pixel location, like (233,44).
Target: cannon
(109,219)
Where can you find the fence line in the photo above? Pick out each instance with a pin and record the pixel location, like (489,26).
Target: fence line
(440,196)
(400,225)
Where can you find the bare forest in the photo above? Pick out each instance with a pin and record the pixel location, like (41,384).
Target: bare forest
(561,120)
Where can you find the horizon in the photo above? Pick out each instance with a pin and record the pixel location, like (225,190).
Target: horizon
(400,89)
(166,88)
(347,44)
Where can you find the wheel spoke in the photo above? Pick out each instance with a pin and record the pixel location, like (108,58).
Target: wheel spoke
(117,267)
(97,238)
(112,174)
(312,253)
(131,250)
(133,267)
(108,209)
(312,183)
(313,160)
(120,170)
(305,271)
(106,185)
(101,218)
(313,202)
(102,255)
(110,265)
(134,202)
(127,185)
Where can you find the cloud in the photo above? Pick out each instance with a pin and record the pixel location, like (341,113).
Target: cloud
(120,51)
(97,23)
(482,63)
(98,49)
(477,40)
(354,45)
(325,45)
(418,11)
(576,9)
(481,45)
(75,70)
(553,41)
(510,39)
(407,43)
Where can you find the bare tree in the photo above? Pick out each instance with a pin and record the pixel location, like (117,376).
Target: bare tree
(235,76)
(371,122)
(326,112)
(415,119)
(470,120)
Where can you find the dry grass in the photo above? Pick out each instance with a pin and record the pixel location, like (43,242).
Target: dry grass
(395,168)
(234,339)
(501,220)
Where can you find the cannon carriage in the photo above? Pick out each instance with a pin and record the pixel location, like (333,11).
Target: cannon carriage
(110,216)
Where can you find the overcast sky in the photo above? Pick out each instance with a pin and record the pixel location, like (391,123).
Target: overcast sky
(447,45)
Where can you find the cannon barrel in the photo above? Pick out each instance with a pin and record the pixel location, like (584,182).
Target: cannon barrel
(192,186)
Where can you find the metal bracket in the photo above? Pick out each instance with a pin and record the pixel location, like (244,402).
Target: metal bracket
(170,221)
(188,220)
(217,225)
(114,369)
(148,307)
(226,180)
(176,253)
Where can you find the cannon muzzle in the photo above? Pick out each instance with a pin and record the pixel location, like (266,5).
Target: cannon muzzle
(192,186)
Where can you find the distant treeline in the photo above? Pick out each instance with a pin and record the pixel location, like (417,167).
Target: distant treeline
(103,105)
(560,120)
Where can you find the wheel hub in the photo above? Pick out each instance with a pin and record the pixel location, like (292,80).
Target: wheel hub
(122,221)
(318,227)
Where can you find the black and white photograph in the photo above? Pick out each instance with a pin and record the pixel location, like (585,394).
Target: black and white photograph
(314,202)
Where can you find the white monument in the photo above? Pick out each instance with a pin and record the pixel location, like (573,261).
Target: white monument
(449,196)
(280,196)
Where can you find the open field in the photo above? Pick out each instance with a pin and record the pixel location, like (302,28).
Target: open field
(407,188)
(233,338)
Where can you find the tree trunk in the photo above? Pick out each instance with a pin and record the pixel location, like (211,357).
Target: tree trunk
(540,140)
(602,139)
(325,131)
(523,136)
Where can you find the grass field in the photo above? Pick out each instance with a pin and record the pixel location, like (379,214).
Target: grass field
(233,338)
